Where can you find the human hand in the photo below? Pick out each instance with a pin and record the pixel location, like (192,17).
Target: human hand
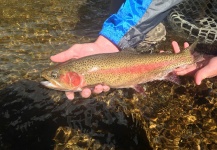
(204,68)
(101,45)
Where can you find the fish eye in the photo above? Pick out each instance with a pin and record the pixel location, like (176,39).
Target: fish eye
(54,74)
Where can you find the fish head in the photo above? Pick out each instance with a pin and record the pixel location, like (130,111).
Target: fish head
(61,80)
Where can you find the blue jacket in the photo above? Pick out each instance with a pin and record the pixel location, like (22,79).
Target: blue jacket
(134,20)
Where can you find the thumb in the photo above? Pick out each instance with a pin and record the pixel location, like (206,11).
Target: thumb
(200,75)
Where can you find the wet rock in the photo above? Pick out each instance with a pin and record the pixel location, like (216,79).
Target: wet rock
(169,117)
(33,116)
(181,117)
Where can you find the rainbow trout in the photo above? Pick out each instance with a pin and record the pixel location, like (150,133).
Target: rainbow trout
(117,70)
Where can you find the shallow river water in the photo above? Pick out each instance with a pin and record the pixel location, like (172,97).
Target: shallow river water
(33,117)
(30,32)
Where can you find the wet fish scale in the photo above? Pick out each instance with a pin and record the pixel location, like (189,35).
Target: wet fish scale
(115,79)
(118,70)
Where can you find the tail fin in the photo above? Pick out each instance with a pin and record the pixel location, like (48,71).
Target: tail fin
(190,50)
(191,47)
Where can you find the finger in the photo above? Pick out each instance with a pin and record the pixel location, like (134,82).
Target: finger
(175,47)
(63,56)
(188,70)
(184,72)
(86,92)
(186,45)
(98,89)
(70,95)
(200,75)
(106,88)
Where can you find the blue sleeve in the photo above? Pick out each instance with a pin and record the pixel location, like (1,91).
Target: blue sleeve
(134,20)
(117,25)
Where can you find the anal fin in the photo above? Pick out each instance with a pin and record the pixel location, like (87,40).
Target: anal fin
(172,77)
(139,89)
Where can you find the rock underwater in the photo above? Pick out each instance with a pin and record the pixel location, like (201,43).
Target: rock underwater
(169,117)
(31,115)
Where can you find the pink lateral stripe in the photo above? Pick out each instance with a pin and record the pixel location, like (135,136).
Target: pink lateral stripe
(135,69)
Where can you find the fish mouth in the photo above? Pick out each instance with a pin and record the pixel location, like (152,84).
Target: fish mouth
(50,85)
